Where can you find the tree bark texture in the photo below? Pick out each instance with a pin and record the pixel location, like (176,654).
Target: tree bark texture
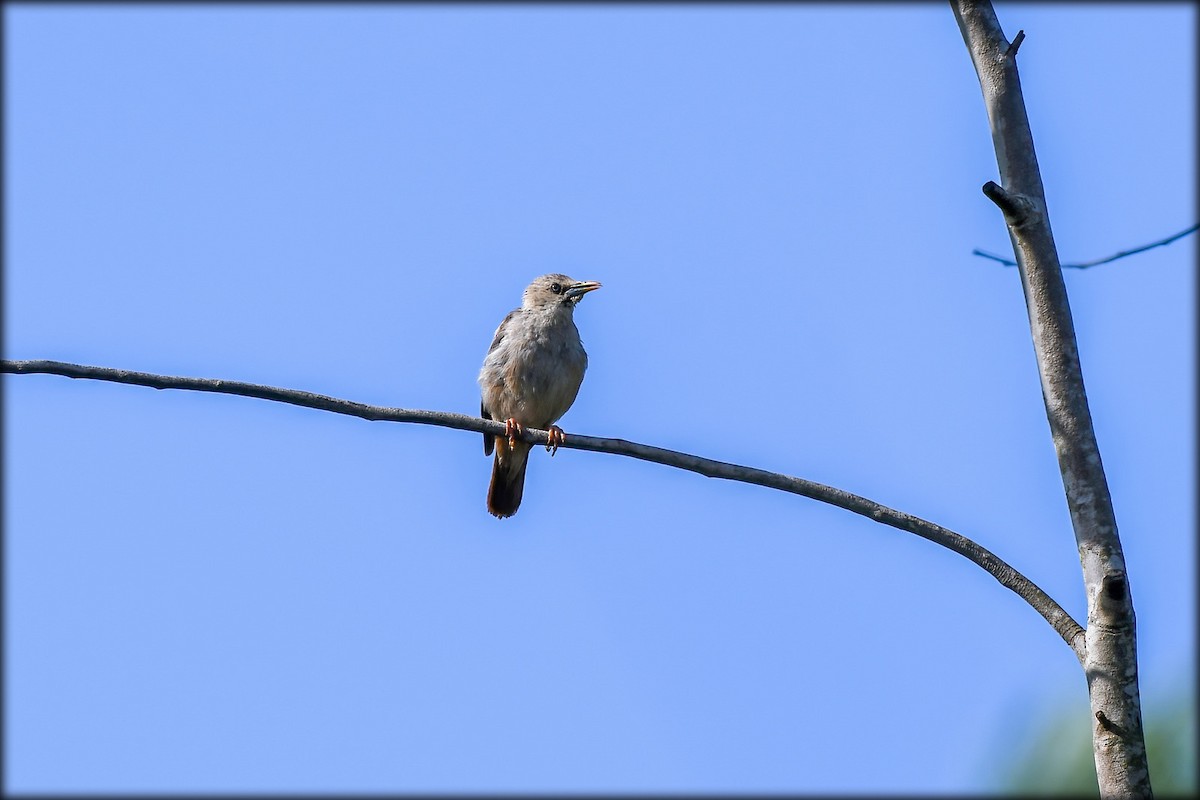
(1110,657)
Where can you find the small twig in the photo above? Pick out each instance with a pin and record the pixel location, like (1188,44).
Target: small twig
(1016,207)
(1015,45)
(1005,261)
(1085,264)
(1052,612)
(1108,724)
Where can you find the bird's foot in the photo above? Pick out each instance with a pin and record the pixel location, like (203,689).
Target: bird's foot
(556,438)
(512,429)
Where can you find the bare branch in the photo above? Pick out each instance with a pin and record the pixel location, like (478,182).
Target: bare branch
(985,254)
(1017,208)
(1059,619)
(1011,52)
(1110,658)
(1085,264)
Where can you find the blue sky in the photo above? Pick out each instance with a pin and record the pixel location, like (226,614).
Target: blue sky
(210,593)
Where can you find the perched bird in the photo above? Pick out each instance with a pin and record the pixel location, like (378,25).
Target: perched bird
(530,377)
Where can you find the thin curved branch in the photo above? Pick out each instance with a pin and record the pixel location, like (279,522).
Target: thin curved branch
(1008,262)
(1059,619)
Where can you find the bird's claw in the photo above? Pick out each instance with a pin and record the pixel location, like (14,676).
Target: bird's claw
(512,429)
(555,438)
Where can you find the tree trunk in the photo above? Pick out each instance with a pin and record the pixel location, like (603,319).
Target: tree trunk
(1110,656)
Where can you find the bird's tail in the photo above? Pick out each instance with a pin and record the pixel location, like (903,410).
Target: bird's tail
(508,478)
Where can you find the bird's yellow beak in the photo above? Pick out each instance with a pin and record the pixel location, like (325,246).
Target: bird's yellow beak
(578,290)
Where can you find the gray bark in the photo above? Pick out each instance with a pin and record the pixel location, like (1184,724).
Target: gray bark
(1110,656)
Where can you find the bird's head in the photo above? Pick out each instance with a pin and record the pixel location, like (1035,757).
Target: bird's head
(550,291)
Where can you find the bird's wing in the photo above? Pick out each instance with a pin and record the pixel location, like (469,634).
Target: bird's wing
(488,439)
(500,330)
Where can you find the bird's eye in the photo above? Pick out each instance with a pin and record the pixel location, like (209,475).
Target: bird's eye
(556,288)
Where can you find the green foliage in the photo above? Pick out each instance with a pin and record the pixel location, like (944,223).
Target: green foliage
(1058,760)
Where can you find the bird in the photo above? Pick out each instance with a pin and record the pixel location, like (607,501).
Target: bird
(530,377)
